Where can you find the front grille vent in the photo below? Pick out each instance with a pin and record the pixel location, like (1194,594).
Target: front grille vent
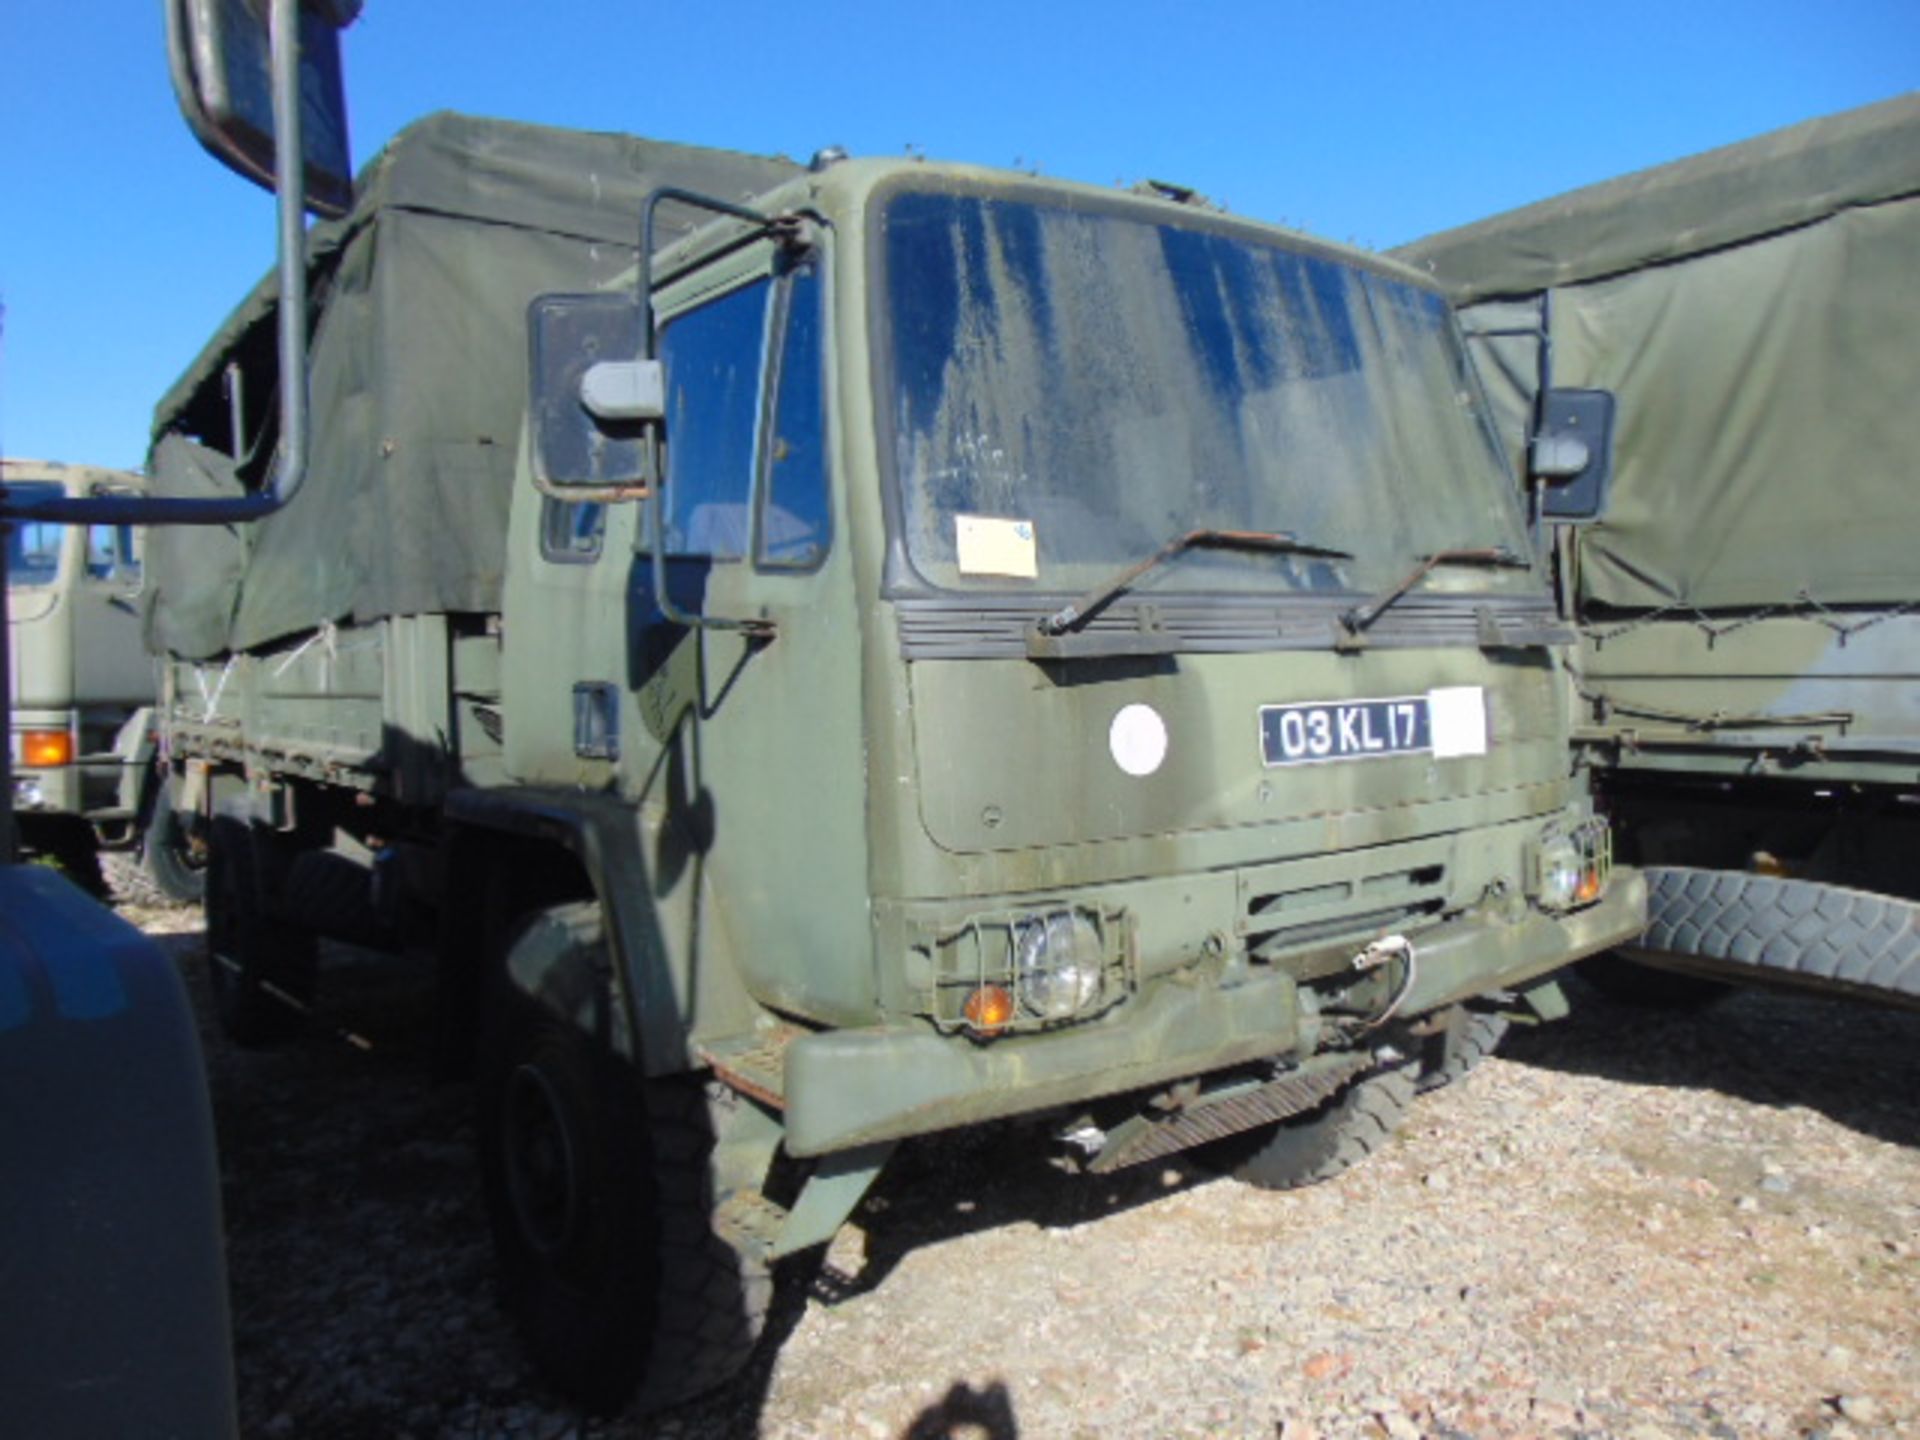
(1285,924)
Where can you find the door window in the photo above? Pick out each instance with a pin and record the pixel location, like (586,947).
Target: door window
(110,553)
(713,404)
(794,518)
(33,546)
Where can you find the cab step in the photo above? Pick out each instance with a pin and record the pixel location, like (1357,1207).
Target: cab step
(763,1229)
(750,1223)
(755,1064)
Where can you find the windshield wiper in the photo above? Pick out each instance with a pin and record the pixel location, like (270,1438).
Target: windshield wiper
(1494,557)
(1279,542)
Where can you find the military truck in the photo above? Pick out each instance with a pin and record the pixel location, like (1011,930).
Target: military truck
(1749,595)
(82,686)
(940,645)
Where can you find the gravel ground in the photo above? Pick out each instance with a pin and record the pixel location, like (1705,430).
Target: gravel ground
(1627,1225)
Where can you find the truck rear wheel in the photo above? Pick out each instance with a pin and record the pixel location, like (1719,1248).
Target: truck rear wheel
(173,852)
(1320,1144)
(596,1181)
(250,954)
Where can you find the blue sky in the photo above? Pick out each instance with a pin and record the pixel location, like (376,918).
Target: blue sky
(122,246)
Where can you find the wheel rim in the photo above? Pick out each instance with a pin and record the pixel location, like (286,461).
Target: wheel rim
(188,847)
(541,1157)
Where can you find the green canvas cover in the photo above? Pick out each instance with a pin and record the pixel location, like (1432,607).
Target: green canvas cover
(1755,311)
(418,379)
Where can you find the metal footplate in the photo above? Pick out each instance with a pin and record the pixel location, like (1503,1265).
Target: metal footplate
(1800,934)
(754,1065)
(1226,1112)
(765,1230)
(750,1223)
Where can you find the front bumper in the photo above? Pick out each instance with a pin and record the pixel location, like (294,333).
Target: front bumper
(853,1087)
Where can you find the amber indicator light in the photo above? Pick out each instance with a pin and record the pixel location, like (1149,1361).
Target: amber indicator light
(46,748)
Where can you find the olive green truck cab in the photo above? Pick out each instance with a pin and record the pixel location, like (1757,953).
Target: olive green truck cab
(1748,596)
(82,687)
(944,645)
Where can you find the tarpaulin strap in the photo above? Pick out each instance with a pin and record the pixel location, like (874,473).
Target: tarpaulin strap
(1805,607)
(213,700)
(328,635)
(1605,708)
(1846,629)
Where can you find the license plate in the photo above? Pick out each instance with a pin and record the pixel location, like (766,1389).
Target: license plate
(1443,723)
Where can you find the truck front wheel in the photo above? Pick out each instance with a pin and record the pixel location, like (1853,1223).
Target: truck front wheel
(596,1181)
(1446,1059)
(1320,1144)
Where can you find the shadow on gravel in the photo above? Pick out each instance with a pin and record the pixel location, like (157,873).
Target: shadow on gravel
(362,1275)
(1857,1064)
(359,1261)
(935,1189)
(966,1182)
(964,1411)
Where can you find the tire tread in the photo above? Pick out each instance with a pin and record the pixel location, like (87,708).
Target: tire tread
(1825,935)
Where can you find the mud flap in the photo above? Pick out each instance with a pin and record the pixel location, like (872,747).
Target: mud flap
(1797,934)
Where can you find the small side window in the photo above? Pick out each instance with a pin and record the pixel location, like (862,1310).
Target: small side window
(795,523)
(33,550)
(111,554)
(571,531)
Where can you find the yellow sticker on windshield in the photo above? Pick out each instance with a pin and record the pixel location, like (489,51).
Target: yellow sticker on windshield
(984,545)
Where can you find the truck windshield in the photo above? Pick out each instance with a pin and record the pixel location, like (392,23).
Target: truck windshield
(1071,386)
(33,546)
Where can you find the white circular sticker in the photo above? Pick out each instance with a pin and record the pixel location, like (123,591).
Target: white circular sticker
(1138,739)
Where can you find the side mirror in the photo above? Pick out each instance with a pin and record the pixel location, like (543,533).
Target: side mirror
(594,403)
(219,52)
(1573,452)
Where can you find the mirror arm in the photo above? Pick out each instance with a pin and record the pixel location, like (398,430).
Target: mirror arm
(290,470)
(697,201)
(754,628)
(758,628)
(291,467)
(289,163)
(591,494)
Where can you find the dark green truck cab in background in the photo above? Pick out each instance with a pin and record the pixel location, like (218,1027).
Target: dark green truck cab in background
(1748,597)
(943,645)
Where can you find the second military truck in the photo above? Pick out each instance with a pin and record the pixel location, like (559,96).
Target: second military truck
(1748,594)
(942,645)
(84,786)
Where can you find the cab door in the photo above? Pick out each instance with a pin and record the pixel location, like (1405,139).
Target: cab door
(110,661)
(746,750)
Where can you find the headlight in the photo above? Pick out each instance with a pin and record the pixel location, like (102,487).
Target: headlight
(1559,873)
(1058,965)
(1571,867)
(1019,971)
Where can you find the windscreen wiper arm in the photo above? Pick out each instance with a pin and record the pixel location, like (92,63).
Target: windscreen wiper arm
(1280,542)
(1494,557)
